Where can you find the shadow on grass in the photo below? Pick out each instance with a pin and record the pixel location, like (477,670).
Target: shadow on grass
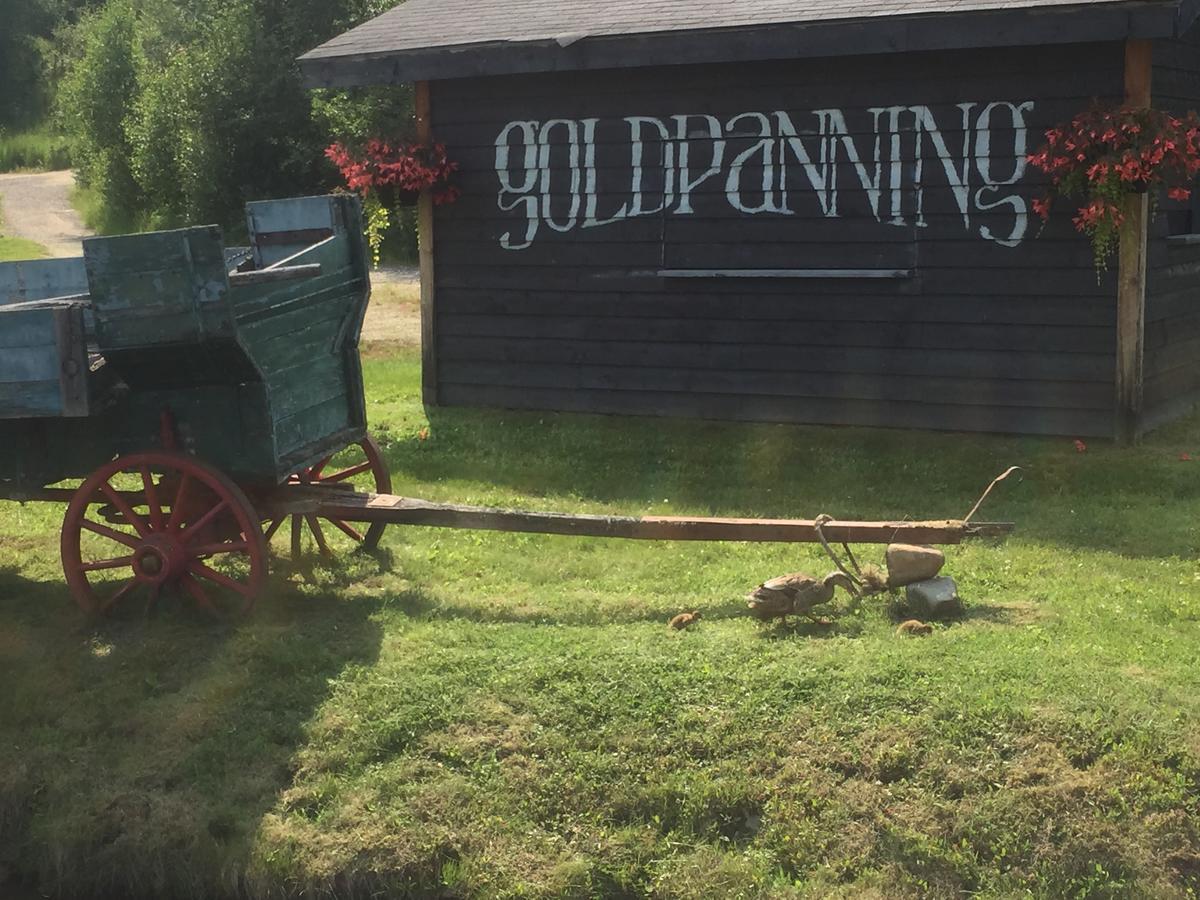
(1135,502)
(138,757)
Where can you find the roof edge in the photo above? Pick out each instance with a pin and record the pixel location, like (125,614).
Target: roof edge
(854,37)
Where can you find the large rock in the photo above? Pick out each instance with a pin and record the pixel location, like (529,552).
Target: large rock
(910,563)
(935,598)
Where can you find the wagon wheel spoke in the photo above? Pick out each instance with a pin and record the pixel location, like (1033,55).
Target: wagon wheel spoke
(119,594)
(105,564)
(274,527)
(152,504)
(112,534)
(198,568)
(114,497)
(346,529)
(315,471)
(177,507)
(203,522)
(217,549)
(192,586)
(347,473)
(154,592)
(296,534)
(315,524)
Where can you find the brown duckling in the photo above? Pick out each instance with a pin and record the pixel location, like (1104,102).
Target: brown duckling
(683,620)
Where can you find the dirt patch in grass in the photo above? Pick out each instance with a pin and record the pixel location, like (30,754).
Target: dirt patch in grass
(393,318)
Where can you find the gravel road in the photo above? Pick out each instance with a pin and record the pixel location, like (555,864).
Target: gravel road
(38,207)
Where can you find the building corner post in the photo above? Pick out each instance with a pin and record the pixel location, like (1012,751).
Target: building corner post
(1131,276)
(425,236)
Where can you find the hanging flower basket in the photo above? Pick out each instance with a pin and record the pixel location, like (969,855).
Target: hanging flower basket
(391,175)
(1106,154)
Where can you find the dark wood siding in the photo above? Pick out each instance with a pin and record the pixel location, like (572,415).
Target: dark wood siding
(1172,363)
(953,331)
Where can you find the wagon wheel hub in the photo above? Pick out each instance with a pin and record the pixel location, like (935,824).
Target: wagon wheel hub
(162,559)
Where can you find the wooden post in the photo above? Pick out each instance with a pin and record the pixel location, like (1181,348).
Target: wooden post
(1131,277)
(429,379)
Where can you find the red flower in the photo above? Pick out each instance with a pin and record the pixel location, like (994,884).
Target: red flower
(408,168)
(1080,447)
(1104,154)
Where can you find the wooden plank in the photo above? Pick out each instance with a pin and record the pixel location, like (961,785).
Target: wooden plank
(1071,66)
(74,368)
(805,383)
(22,326)
(859,274)
(1093,368)
(31,399)
(41,279)
(791,410)
(833,302)
(934,336)
(304,237)
(1131,277)
(274,275)
(362,507)
(425,233)
(21,365)
(297,434)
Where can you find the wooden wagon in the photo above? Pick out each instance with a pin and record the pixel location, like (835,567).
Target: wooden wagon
(184,382)
(205,396)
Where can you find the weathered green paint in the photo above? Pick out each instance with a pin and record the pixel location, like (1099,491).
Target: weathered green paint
(261,379)
(43,360)
(159,289)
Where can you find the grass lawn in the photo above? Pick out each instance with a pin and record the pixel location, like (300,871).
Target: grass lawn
(19,248)
(488,715)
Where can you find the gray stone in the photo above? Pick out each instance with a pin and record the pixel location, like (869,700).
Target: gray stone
(910,563)
(934,598)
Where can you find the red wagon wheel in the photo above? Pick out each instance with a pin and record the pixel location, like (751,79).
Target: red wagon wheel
(359,465)
(160,522)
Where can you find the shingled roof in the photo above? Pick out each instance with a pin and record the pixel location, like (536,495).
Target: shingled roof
(428,39)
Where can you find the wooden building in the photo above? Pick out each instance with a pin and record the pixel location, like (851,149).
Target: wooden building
(791,211)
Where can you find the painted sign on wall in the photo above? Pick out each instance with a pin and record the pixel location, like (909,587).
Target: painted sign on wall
(565,175)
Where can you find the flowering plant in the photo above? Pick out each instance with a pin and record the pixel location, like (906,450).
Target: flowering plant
(390,175)
(1104,155)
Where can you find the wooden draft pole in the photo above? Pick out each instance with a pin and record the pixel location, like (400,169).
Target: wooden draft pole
(341,502)
(350,506)
(429,379)
(1131,273)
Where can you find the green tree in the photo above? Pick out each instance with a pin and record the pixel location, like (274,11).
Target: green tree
(97,96)
(211,111)
(22,95)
